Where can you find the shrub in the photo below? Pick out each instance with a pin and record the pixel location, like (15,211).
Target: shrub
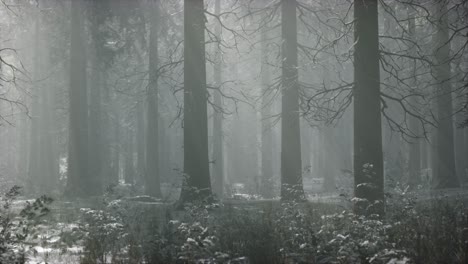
(17,223)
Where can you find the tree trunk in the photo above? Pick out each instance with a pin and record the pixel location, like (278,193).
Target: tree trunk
(414,161)
(267,127)
(106,126)
(291,163)
(153,187)
(48,157)
(78,176)
(196,184)
(461,154)
(114,176)
(34,151)
(466,155)
(368,156)
(95,129)
(446,175)
(129,166)
(141,144)
(329,161)
(218,159)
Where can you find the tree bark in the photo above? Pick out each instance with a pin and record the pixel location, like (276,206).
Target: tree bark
(446,174)
(129,164)
(141,144)
(218,159)
(196,185)
(414,162)
(267,128)
(95,108)
(291,163)
(78,174)
(368,156)
(153,187)
(34,151)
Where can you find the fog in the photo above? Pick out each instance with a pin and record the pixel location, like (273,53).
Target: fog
(215,131)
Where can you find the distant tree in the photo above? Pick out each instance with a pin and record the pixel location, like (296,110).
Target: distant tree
(34,140)
(49,159)
(114,140)
(267,124)
(196,168)
(96,163)
(78,174)
(368,156)
(446,174)
(153,187)
(140,144)
(218,165)
(129,175)
(414,160)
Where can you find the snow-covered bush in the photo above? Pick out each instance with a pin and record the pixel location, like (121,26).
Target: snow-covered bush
(275,232)
(17,222)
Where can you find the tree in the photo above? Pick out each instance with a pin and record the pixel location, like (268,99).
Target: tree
(140,144)
(78,174)
(446,174)
(129,164)
(34,151)
(196,184)
(414,161)
(218,166)
(96,148)
(267,128)
(291,164)
(152,134)
(368,156)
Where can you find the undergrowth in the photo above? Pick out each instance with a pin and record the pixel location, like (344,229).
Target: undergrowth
(411,232)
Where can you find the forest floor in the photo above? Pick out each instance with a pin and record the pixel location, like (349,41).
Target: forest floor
(63,236)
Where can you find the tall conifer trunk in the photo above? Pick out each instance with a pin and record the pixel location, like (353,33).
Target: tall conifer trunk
(218,166)
(197,183)
(291,164)
(368,156)
(153,187)
(446,174)
(78,176)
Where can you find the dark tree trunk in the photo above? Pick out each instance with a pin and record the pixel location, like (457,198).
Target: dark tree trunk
(153,187)
(368,156)
(414,162)
(460,154)
(78,175)
(196,184)
(466,156)
(291,163)
(446,176)
(434,160)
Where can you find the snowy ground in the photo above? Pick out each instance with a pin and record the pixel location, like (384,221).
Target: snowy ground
(50,240)
(57,240)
